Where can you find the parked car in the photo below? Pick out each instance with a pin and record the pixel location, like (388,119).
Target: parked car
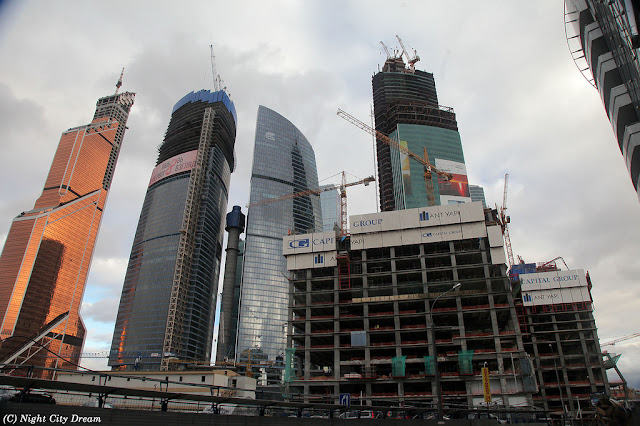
(364,414)
(33,397)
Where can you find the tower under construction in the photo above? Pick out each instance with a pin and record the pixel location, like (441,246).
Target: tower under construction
(167,308)
(406,109)
(407,311)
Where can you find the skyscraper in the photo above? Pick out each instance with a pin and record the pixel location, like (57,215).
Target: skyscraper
(47,253)
(406,109)
(476,192)
(604,41)
(283,163)
(168,301)
(330,204)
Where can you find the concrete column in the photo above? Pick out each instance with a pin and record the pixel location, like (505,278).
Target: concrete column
(235,227)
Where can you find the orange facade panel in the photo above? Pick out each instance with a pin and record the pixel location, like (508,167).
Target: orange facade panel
(79,165)
(16,262)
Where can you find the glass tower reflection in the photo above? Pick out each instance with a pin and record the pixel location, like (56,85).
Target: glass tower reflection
(170,289)
(47,253)
(283,163)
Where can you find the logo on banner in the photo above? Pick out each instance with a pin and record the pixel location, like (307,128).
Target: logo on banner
(318,259)
(299,243)
(424,216)
(527,297)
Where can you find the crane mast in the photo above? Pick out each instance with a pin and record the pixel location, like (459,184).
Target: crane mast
(504,222)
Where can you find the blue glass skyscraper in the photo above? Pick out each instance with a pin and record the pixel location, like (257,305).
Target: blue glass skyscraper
(168,301)
(330,203)
(283,163)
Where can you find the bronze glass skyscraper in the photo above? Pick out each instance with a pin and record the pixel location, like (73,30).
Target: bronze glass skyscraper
(47,253)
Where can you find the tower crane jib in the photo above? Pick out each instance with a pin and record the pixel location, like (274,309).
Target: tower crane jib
(341,189)
(428,167)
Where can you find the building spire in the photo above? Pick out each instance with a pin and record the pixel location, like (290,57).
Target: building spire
(119,83)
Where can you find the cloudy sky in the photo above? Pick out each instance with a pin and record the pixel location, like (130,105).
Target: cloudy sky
(504,66)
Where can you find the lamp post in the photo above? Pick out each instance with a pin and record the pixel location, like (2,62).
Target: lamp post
(435,353)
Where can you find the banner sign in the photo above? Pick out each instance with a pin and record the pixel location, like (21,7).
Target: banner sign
(178,164)
(486,386)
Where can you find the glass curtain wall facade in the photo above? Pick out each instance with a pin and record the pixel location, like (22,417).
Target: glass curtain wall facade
(406,109)
(283,163)
(47,253)
(330,203)
(170,289)
(608,33)
(477,194)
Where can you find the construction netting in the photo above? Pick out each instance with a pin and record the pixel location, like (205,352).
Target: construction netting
(289,364)
(465,361)
(429,366)
(398,366)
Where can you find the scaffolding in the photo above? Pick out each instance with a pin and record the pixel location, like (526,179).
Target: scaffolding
(465,361)
(344,271)
(289,366)
(398,366)
(182,273)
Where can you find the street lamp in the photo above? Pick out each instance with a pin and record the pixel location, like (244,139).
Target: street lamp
(435,352)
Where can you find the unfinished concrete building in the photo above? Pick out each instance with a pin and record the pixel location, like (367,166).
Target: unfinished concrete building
(560,334)
(362,307)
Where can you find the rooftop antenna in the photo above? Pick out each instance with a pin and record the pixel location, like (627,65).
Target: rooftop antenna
(119,83)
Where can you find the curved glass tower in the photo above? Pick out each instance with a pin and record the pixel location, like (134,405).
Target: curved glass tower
(604,40)
(283,163)
(168,300)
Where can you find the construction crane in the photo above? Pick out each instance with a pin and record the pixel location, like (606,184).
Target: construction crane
(428,167)
(411,60)
(343,197)
(218,83)
(620,339)
(214,70)
(386,50)
(547,266)
(504,221)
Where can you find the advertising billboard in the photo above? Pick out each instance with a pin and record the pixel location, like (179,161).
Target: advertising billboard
(406,170)
(174,165)
(553,288)
(416,218)
(455,190)
(308,243)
